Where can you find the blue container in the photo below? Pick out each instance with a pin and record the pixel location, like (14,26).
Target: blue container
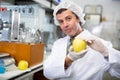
(59,1)
(2,66)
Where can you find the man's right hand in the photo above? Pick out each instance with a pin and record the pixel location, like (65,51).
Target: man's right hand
(74,56)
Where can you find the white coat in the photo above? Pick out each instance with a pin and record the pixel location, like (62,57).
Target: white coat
(91,67)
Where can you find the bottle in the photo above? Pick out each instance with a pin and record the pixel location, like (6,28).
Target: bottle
(6,62)
(2,66)
(1,24)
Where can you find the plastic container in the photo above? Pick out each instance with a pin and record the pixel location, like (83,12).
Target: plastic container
(2,66)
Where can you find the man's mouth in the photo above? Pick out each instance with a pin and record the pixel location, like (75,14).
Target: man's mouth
(68,30)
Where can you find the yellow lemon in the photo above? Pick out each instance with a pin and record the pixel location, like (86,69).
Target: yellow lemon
(22,65)
(79,44)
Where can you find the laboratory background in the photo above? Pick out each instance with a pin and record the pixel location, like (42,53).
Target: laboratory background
(27,32)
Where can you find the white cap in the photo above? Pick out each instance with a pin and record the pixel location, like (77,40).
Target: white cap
(67,4)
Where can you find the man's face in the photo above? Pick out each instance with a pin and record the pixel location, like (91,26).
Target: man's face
(69,23)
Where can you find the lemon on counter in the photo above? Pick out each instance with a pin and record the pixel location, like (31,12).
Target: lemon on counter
(79,44)
(22,65)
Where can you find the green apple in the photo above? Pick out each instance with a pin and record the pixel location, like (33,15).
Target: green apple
(22,65)
(79,45)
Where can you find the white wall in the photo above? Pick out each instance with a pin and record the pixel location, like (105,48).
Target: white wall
(110,7)
(111,11)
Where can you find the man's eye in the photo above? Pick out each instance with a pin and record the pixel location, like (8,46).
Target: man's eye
(60,22)
(68,19)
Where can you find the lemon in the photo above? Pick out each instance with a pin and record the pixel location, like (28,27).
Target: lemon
(22,65)
(79,44)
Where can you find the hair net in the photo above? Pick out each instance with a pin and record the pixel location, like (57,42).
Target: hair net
(70,6)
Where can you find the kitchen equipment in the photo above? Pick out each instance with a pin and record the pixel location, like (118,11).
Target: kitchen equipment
(6,61)
(15,26)
(38,36)
(93,15)
(1,24)
(9,25)
(32,53)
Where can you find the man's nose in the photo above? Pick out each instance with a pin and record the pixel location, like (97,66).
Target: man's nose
(65,24)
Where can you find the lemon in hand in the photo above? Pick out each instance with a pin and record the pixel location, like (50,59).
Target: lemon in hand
(79,44)
(22,65)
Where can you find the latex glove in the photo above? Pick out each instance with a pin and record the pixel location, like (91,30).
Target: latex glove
(74,56)
(96,44)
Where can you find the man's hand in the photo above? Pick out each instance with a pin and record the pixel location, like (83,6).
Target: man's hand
(74,56)
(95,43)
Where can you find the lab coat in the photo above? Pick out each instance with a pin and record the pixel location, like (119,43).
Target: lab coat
(90,67)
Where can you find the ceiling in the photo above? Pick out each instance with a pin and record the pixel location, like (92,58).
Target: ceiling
(17,2)
(22,0)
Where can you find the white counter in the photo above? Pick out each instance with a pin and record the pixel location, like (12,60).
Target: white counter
(16,74)
(19,74)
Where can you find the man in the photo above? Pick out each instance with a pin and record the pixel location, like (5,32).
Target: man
(89,64)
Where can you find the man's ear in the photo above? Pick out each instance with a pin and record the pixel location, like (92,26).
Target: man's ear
(79,21)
